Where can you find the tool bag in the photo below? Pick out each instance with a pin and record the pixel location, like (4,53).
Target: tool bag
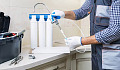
(10,45)
(4,23)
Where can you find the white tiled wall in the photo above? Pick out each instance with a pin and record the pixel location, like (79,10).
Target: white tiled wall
(19,11)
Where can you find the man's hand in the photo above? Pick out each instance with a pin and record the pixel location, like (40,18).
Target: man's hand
(58,14)
(73,42)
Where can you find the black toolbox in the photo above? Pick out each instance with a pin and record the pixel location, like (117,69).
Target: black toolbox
(4,22)
(10,45)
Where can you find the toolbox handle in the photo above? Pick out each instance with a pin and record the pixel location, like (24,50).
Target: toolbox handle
(21,33)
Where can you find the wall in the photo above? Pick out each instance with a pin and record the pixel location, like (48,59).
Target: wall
(19,11)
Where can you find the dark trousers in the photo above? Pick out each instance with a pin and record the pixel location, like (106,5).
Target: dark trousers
(96,57)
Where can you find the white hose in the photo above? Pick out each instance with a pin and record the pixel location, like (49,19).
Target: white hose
(79,29)
(83,37)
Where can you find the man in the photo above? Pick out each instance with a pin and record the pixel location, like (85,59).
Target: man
(104,31)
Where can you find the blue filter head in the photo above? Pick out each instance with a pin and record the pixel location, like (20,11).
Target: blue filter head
(38,16)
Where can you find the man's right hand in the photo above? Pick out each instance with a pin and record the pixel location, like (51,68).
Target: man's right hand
(58,14)
(73,42)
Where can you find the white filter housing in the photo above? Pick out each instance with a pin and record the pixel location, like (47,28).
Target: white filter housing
(49,33)
(42,31)
(33,26)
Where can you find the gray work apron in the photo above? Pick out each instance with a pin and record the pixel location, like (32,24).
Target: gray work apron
(111,56)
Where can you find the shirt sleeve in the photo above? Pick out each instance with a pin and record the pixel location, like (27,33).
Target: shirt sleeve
(112,33)
(83,11)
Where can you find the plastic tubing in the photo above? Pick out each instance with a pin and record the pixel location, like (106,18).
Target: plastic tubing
(83,37)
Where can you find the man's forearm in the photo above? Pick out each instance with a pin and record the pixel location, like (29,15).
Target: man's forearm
(89,40)
(69,15)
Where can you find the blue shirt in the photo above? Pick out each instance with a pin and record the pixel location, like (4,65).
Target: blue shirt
(110,34)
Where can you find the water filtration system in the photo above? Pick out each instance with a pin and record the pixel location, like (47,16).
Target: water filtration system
(42,25)
(41,28)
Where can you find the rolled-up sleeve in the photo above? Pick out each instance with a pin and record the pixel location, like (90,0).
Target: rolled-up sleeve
(112,33)
(83,11)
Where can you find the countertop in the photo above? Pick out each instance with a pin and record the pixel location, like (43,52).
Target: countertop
(27,63)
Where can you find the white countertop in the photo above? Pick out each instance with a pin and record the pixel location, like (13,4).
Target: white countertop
(27,63)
